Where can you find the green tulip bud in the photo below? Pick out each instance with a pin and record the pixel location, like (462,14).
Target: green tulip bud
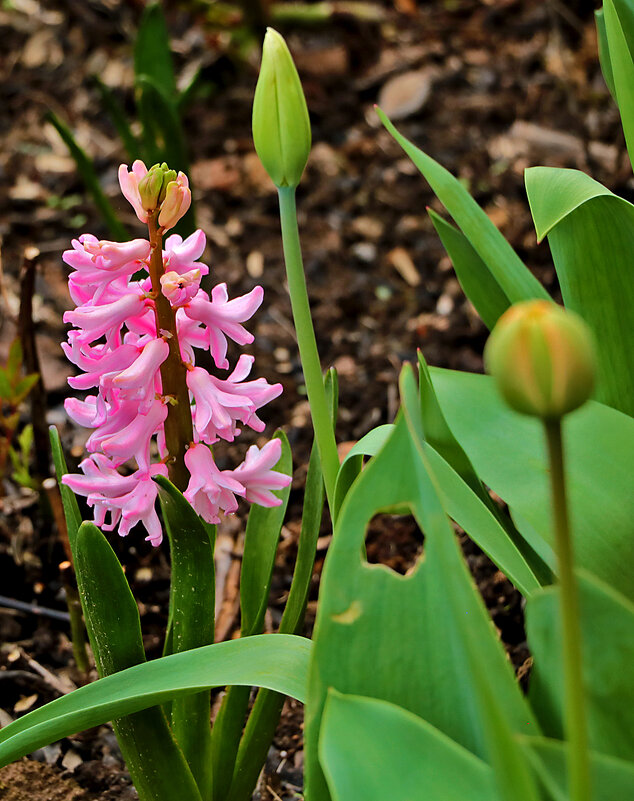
(281,127)
(543,359)
(153,186)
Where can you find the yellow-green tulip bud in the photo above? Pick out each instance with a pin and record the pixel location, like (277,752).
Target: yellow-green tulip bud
(281,127)
(543,359)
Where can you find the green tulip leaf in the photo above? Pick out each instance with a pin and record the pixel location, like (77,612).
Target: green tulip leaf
(591,235)
(607,629)
(410,759)
(508,452)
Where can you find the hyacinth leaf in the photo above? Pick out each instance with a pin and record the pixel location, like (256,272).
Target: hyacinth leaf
(88,174)
(266,711)
(276,661)
(69,501)
(513,278)
(119,119)
(508,452)
(162,132)
(607,628)
(114,629)
(410,759)
(152,52)
(192,601)
(264,716)
(604,52)
(260,544)
(610,778)
(368,613)
(591,235)
(477,282)
(615,14)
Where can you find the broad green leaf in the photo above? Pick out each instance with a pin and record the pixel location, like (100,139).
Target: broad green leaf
(276,661)
(607,625)
(508,452)
(264,716)
(88,174)
(24,386)
(152,52)
(6,390)
(611,778)
(119,119)
(162,132)
(351,466)
(604,52)
(14,362)
(69,501)
(373,750)
(622,69)
(369,615)
(258,559)
(260,544)
(515,281)
(192,609)
(591,237)
(114,628)
(477,282)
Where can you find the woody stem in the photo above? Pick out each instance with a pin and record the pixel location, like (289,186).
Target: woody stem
(178,425)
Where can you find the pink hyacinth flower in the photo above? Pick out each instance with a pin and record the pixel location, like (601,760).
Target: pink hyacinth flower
(223,317)
(181,255)
(257,475)
(180,289)
(210,489)
(129,183)
(178,198)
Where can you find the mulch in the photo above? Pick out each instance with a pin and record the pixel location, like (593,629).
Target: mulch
(487,87)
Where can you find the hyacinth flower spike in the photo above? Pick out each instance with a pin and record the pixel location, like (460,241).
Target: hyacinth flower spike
(136,342)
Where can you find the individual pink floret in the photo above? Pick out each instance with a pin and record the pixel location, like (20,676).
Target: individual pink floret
(180,289)
(257,476)
(223,317)
(129,183)
(177,201)
(210,490)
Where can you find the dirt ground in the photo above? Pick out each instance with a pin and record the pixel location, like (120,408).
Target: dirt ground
(487,87)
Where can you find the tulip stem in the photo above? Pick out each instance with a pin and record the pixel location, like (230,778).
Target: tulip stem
(574,698)
(308,353)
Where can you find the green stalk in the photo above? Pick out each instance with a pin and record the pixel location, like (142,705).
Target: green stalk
(574,698)
(307,344)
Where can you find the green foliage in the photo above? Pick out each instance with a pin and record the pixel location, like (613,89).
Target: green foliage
(591,235)
(370,616)
(607,622)
(408,758)
(508,452)
(14,389)
(276,661)
(159,107)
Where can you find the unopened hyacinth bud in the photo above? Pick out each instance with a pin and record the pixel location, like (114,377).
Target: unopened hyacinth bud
(153,186)
(176,201)
(281,127)
(543,359)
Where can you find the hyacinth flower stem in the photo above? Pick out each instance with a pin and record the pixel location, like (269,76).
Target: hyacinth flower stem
(192,575)
(307,344)
(574,698)
(178,425)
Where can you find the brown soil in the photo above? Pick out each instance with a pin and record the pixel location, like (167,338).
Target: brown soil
(510,83)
